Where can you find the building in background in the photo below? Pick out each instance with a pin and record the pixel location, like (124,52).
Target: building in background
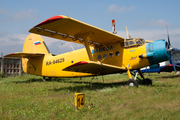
(11,66)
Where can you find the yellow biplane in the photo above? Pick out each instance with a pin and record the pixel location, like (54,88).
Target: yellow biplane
(104,52)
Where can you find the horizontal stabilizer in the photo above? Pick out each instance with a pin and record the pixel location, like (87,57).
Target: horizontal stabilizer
(24,55)
(94,68)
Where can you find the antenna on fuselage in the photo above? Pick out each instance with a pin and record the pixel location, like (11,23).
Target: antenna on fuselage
(127,33)
(113,26)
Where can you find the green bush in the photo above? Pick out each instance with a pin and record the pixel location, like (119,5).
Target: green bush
(3,75)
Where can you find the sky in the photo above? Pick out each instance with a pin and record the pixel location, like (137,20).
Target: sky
(144,19)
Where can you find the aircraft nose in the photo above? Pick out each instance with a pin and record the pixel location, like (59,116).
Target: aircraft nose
(158,50)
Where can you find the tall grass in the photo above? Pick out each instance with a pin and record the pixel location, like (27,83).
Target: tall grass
(28,97)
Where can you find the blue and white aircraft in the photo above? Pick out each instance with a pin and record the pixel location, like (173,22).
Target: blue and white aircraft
(168,66)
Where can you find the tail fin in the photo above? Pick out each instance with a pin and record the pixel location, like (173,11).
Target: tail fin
(35,44)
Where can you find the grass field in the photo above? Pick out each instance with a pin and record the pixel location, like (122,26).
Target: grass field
(28,97)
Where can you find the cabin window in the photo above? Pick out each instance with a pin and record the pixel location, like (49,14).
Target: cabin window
(105,56)
(117,53)
(110,54)
(99,56)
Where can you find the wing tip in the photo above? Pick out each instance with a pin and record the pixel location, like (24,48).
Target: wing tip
(78,63)
(51,19)
(9,54)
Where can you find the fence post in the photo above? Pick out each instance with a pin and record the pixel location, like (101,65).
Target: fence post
(20,66)
(2,63)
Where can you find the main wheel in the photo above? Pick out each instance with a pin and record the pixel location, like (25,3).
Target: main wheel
(132,83)
(147,81)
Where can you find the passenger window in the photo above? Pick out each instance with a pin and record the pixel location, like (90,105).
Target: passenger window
(99,56)
(117,53)
(110,54)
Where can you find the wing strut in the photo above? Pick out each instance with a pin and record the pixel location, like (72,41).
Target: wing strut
(84,37)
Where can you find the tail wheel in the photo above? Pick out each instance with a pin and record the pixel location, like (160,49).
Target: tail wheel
(132,83)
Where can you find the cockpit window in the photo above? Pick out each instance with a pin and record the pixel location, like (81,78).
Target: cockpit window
(142,40)
(133,42)
(138,42)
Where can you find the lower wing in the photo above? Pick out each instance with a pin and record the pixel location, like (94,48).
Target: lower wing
(94,68)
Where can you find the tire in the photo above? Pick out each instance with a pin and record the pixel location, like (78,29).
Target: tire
(132,83)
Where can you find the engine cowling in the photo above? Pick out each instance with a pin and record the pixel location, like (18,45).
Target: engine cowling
(157,51)
(154,66)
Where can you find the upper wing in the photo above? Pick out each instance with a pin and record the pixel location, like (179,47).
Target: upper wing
(24,55)
(148,41)
(72,30)
(94,68)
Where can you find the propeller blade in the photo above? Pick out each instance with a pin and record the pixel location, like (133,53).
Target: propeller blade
(176,51)
(168,36)
(169,40)
(172,60)
(172,51)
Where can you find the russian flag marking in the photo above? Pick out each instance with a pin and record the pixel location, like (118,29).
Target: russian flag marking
(37,43)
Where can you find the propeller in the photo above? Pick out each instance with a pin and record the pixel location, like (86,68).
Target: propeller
(168,36)
(171,50)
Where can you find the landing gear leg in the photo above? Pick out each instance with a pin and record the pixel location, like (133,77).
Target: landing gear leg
(49,78)
(44,80)
(146,81)
(131,82)
(135,77)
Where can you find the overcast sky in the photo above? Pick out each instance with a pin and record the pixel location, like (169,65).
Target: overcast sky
(145,19)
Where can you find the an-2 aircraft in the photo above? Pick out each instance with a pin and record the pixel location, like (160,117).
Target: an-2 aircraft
(104,52)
